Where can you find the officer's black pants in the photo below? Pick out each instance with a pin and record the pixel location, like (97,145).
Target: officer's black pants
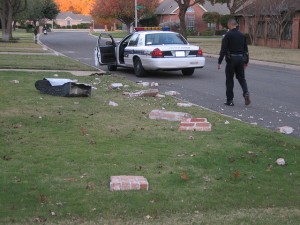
(235,66)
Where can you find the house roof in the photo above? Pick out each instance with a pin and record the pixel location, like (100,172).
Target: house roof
(166,7)
(249,8)
(73,16)
(222,9)
(169,6)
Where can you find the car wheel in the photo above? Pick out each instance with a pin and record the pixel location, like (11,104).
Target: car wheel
(138,68)
(111,67)
(188,72)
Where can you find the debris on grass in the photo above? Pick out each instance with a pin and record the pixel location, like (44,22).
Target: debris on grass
(181,104)
(191,138)
(280,162)
(70,179)
(148,217)
(15,81)
(114,104)
(206,179)
(144,84)
(285,130)
(142,93)
(172,93)
(184,176)
(227,122)
(160,96)
(17,126)
(237,174)
(116,86)
(269,168)
(154,84)
(252,153)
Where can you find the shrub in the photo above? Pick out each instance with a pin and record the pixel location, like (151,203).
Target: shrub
(207,33)
(29,28)
(224,19)
(220,32)
(174,26)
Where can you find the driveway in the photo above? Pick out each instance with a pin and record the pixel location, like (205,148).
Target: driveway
(275,92)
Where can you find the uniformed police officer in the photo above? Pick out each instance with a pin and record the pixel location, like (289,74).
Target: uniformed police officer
(235,50)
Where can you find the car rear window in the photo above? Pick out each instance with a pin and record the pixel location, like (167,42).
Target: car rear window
(165,39)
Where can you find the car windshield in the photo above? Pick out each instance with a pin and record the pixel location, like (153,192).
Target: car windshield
(165,39)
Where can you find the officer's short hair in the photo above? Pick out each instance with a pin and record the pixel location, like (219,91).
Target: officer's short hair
(232,22)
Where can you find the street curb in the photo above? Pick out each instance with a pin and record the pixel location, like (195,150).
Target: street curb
(259,62)
(73,72)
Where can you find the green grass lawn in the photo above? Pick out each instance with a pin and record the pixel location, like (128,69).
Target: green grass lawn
(57,155)
(41,62)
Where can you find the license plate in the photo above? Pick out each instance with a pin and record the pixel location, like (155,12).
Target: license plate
(180,53)
(193,63)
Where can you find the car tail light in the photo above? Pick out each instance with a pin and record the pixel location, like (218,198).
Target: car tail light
(200,53)
(157,53)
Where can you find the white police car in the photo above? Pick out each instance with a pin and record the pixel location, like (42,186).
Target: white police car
(149,50)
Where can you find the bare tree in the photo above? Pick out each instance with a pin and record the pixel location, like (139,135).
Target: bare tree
(255,15)
(280,15)
(9,9)
(183,6)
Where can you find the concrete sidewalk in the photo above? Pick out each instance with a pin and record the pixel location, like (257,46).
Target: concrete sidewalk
(258,62)
(75,73)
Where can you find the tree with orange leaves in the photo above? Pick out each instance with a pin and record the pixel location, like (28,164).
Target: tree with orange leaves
(122,10)
(78,6)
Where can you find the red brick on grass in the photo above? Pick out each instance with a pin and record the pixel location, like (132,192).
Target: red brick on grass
(168,115)
(126,183)
(195,124)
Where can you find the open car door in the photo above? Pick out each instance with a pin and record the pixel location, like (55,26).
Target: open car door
(105,52)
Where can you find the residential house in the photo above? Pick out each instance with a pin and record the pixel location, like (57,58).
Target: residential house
(168,11)
(70,19)
(264,32)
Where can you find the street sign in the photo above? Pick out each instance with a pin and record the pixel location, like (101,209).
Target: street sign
(140,7)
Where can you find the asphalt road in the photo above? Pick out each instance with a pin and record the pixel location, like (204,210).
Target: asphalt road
(275,92)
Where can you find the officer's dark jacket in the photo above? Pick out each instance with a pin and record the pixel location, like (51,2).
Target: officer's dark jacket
(234,43)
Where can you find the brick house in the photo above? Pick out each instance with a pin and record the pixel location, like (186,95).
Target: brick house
(70,18)
(265,34)
(168,11)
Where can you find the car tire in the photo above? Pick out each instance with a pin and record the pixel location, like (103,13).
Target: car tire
(111,67)
(188,72)
(138,68)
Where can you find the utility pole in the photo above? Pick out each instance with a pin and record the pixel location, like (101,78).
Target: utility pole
(135,12)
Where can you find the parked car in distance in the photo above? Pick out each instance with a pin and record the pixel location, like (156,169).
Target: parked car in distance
(146,51)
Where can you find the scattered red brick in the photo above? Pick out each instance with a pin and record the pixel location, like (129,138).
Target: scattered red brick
(126,183)
(195,124)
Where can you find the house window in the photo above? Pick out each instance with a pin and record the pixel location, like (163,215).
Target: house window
(261,29)
(190,10)
(272,31)
(211,25)
(288,31)
(190,22)
(68,22)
